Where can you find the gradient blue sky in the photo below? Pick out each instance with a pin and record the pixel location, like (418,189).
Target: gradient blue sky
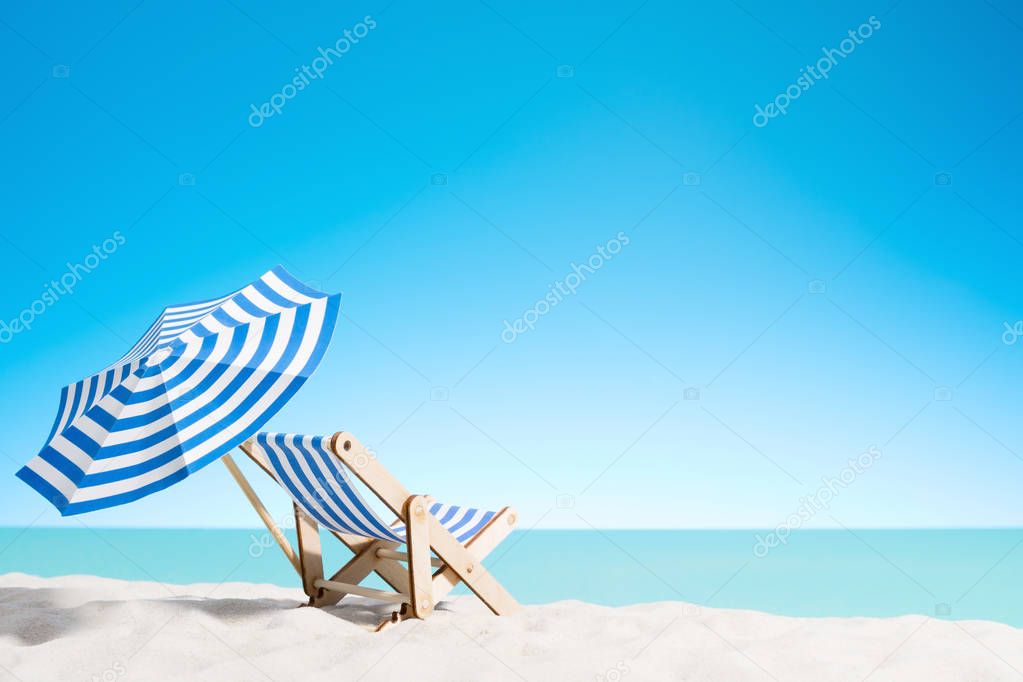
(713,291)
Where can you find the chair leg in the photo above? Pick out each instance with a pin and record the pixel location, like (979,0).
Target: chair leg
(466,565)
(480,545)
(417,515)
(310,554)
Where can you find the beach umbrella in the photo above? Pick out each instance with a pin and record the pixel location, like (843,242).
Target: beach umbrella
(202,379)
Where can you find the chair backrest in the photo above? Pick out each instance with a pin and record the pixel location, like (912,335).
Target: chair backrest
(316,480)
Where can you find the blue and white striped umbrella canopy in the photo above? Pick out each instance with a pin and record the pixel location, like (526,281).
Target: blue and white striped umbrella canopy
(203,378)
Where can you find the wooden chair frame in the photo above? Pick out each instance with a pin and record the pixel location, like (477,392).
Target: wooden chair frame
(417,586)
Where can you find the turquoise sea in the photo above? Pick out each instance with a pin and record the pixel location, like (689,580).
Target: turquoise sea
(959,574)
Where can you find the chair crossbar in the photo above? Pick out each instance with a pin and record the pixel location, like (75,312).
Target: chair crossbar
(348,588)
(403,556)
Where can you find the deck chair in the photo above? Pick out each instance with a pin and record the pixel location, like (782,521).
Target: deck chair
(443,544)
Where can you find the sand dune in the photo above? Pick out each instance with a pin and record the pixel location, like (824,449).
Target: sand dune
(86,628)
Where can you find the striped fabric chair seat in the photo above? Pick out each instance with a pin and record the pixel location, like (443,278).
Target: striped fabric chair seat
(317,481)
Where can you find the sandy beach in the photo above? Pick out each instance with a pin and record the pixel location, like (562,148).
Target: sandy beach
(88,628)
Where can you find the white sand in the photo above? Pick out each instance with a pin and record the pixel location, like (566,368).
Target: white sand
(86,628)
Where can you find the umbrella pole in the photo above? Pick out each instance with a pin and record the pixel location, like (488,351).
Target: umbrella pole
(257,504)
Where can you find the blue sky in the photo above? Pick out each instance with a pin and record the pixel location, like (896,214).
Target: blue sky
(837,279)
